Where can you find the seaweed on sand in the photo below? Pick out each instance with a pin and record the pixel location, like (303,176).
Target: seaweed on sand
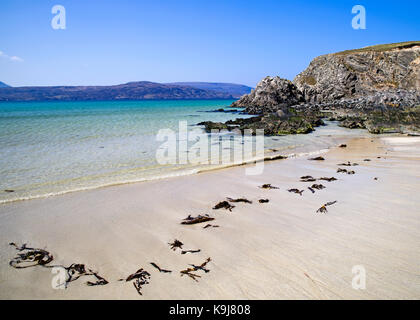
(239,200)
(348,164)
(223,205)
(307,179)
(202,266)
(297,191)
(199,219)
(318,186)
(31,257)
(340,170)
(328,179)
(210,225)
(141,277)
(263,201)
(323,208)
(268,186)
(159,268)
(189,272)
(176,244)
(190,251)
(194,276)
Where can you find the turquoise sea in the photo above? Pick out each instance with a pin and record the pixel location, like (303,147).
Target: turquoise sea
(50,148)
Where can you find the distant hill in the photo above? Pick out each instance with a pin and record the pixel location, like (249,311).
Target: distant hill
(236,90)
(3,85)
(142,90)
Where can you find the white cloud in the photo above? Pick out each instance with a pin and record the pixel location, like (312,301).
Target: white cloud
(15,58)
(11,58)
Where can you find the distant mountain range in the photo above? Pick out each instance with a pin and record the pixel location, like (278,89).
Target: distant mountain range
(142,90)
(3,85)
(237,90)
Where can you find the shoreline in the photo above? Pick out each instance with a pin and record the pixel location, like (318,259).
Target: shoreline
(289,251)
(265,158)
(289,151)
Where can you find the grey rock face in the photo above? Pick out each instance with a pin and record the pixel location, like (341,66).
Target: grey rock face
(270,95)
(360,73)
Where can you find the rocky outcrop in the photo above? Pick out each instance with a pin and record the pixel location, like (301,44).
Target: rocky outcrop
(375,88)
(277,123)
(361,72)
(270,95)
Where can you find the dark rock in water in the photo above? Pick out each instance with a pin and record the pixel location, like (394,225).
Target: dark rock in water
(317,159)
(9,190)
(209,126)
(223,110)
(353,123)
(291,122)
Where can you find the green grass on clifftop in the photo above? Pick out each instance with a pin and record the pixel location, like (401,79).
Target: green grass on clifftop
(382,47)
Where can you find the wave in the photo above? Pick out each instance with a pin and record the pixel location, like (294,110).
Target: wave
(178,173)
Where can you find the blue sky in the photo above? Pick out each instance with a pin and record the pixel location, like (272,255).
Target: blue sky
(111,42)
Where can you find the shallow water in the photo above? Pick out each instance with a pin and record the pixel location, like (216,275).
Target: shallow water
(49,148)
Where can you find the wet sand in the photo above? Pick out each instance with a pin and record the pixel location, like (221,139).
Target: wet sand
(277,250)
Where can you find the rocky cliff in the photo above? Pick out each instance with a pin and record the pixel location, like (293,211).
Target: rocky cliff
(270,94)
(361,72)
(377,88)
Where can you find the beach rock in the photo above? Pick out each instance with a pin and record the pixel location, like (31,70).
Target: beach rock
(270,95)
(209,126)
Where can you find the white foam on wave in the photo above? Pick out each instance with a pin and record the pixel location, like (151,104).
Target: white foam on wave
(177,173)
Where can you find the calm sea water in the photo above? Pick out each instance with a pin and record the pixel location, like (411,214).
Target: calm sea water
(49,148)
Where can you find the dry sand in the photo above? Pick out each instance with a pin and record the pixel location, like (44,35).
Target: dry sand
(279,250)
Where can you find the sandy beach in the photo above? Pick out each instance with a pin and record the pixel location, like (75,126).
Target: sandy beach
(282,249)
